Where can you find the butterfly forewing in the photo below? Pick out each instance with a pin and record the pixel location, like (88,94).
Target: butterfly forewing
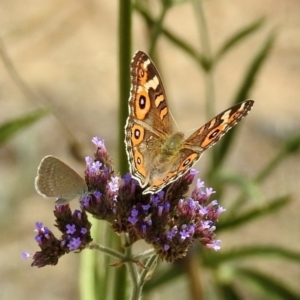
(56,179)
(149,119)
(210,133)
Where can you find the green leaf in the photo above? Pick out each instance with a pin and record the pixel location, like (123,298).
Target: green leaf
(214,259)
(228,292)
(238,37)
(267,286)
(8,129)
(163,277)
(242,94)
(180,43)
(247,186)
(252,214)
(291,146)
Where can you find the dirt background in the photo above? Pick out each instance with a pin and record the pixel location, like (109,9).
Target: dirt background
(66,51)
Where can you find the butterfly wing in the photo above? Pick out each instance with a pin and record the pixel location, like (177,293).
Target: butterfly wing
(195,145)
(211,132)
(170,169)
(56,179)
(149,121)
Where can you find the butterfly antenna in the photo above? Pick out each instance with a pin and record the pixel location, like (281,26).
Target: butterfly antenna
(174,120)
(192,129)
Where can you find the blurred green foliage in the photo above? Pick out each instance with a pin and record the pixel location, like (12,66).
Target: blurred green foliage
(267,285)
(225,286)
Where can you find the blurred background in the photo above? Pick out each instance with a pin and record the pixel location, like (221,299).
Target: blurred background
(66,53)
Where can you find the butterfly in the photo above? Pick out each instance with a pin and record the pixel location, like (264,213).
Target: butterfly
(56,179)
(158,156)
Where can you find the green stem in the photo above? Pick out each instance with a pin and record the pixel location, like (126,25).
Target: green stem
(124,75)
(107,251)
(157,29)
(143,255)
(206,48)
(208,71)
(125,12)
(181,44)
(131,267)
(134,280)
(150,266)
(290,147)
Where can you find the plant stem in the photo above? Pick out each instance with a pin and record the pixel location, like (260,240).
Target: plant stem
(206,48)
(107,251)
(143,255)
(125,12)
(157,29)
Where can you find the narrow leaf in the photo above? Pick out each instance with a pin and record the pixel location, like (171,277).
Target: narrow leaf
(246,186)
(252,214)
(291,146)
(242,94)
(8,129)
(180,43)
(268,286)
(163,277)
(228,292)
(214,259)
(239,36)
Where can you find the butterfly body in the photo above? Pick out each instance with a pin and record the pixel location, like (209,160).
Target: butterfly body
(158,156)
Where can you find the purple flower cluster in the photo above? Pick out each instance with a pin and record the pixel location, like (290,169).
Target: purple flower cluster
(76,236)
(169,220)
(171,226)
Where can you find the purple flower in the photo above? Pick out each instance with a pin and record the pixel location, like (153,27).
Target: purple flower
(171,233)
(216,245)
(166,247)
(94,168)
(74,244)
(160,210)
(70,229)
(88,161)
(85,200)
(99,143)
(155,199)
(167,207)
(114,184)
(184,232)
(209,191)
(83,230)
(144,227)
(133,216)
(146,207)
(26,255)
(38,225)
(127,178)
(200,184)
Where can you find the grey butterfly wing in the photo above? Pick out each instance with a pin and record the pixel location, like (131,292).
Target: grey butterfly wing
(56,179)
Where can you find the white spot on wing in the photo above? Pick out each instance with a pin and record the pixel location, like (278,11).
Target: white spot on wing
(153,83)
(146,63)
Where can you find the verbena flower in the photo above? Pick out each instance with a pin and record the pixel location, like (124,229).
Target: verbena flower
(75,229)
(169,220)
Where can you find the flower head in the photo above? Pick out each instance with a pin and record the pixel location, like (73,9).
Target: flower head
(169,220)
